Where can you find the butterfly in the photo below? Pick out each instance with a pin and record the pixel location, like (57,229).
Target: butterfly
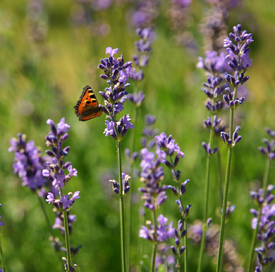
(86,107)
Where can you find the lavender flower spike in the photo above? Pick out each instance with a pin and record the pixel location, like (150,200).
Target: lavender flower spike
(28,162)
(238,54)
(56,167)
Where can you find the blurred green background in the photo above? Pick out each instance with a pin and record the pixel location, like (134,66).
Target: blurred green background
(49,53)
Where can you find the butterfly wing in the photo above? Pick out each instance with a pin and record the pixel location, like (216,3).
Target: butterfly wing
(87,105)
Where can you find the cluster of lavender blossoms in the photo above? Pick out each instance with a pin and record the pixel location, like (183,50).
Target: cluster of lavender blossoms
(116,73)
(29,163)
(171,155)
(145,12)
(55,172)
(151,175)
(265,225)
(125,184)
(141,60)
(149,132)
(160,234)
(269,150)
(144,49)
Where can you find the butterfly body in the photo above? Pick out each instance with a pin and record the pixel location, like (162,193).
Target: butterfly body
(87,107)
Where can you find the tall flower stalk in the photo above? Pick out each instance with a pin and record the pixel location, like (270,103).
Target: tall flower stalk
(238,59)
(215,66)
(116,73)
(154,195)
(173,154)
(55,172)
(269,153)
(263,223)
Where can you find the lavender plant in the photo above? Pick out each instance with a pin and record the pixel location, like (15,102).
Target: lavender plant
(116,73)
(141,60)
(55,172)
(216,66)
(237,48)
(263,223)
(173,154)
(28,165)
(260,197)
(154,195)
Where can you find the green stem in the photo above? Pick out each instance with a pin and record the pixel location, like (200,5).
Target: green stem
(204,228)
(155,245)
(224,206)
(185,253)
(225,192)
(49,228)
(153,258)
(130,207)
(121,209)
(67,240)
(220,173)
(265,180)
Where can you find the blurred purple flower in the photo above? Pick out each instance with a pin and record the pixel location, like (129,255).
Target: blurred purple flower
(214,63)
(136,98)
(29,162)
(269,150)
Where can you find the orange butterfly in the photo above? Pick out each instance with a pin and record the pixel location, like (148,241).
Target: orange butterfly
(86,107)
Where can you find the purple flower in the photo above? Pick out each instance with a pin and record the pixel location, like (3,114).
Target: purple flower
(59,222)
(151,175)
(111,51)
(269,150)
(145,13)
(136,98)
(149,132)
(125,185)
(118,130)
(167,144)
(116,72)
(29,162)
(235,137)
(214,63)
(266,225)
(56,166)
(271,133)
(238,54)
(163,231)
(110,128)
